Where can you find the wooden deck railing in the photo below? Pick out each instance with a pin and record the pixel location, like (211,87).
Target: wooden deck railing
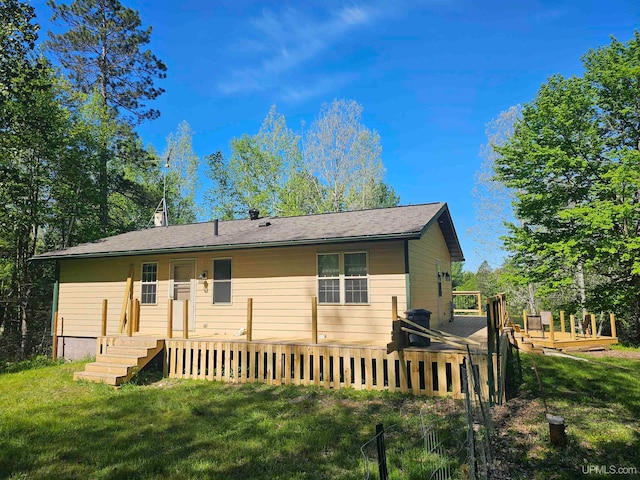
(467,303)
(433,373)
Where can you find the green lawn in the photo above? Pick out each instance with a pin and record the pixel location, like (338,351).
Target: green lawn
(52,427)
(600,401)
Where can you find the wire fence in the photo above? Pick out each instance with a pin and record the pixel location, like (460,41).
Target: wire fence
(435,446)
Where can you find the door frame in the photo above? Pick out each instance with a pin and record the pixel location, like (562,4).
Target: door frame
(177,325)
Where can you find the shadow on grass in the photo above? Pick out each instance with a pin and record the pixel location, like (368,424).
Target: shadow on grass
(601,406)
(194,429)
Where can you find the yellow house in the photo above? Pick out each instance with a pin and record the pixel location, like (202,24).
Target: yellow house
(348,264)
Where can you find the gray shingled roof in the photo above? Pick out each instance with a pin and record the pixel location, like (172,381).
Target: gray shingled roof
(405,222)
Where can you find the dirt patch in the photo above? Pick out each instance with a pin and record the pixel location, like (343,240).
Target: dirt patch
(629,354)
(515,437)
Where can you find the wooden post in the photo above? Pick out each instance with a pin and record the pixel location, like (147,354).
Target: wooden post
(170,318)
(562,329)
(137,307)
(103,329)
(394,308)
(552,336)
(54,353)
(594,332)
(524,321)
(249,319)
(479,298)
(572,321)
(128,295)
(314,320)
(185,320)
(612,319)
(130,320)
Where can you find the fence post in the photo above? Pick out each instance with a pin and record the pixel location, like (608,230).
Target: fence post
(524,321)
(249,319)
(594,331)
(103,329)
(612,319)
(562,329)
(552,336)
(170,318)
(314,320)
(382,453)
(54,353)
(572,321)
(185,320)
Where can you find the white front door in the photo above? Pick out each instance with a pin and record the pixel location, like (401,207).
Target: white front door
(183,288)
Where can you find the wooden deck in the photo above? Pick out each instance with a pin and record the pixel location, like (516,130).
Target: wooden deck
(435,370)
(563,341)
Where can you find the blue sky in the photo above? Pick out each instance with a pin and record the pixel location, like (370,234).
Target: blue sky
(429,74)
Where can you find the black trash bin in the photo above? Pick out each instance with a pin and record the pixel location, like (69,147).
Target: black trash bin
(423,318)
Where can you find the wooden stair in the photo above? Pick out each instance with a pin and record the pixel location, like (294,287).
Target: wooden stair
(119,362)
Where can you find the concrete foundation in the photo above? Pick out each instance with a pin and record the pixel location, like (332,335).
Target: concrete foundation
(76,348)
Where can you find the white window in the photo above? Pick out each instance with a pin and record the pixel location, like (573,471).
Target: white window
(343,278)
(222,281)
(149,284)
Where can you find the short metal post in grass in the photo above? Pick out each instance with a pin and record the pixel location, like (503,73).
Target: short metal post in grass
(382,453)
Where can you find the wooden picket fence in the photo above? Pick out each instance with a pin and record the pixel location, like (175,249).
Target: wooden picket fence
(431,373)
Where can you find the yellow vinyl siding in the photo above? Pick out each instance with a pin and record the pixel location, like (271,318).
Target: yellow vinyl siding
(281,282)
(423,255)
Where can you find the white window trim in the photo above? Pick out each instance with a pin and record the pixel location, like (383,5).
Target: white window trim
(142,282)
(213,282)
(342,277)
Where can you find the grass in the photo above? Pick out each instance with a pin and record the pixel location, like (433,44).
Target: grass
(52,427)
(600,401)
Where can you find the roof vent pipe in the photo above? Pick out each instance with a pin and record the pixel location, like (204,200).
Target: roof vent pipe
(254,214)
(215,227)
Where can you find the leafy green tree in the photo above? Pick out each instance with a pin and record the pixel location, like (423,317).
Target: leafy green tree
(102,51)
(574,163)
(33,127)
(221,196)
(344,156)
(263,172)
(182,178)
(462,279)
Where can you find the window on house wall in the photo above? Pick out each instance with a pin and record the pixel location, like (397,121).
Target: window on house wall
(356,288)
(329,278)
(343,278)
(222,280)
(149,283)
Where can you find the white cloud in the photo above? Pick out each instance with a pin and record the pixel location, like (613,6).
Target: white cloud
(279,43)
(299,93)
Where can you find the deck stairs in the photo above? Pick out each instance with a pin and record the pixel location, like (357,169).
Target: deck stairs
(119,362)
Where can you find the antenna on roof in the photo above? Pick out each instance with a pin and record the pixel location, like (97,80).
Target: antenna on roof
(161,216)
